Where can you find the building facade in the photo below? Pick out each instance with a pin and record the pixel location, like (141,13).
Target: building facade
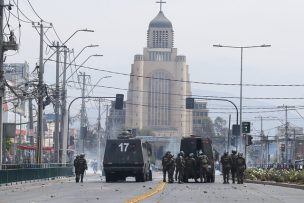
(158,88)
(199,113)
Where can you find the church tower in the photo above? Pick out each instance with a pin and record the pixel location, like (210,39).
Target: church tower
(157,88)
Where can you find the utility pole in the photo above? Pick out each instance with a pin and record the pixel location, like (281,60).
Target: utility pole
(56,137)
(82,112)
(4,46)
(64,117)
(2,87)
(229,134)
(41,94)
(285,159)
(99,132)
(107,133)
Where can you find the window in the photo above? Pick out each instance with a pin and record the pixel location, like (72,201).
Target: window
(159,100)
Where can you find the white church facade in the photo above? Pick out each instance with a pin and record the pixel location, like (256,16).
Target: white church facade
(158,85)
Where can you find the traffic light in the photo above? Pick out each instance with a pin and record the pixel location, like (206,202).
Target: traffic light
(83,132)
(245,127)
(189,103)
(233,140)
(236,130)
(249,140)
(119,101)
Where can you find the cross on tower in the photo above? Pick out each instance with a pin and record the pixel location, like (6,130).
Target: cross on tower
(161,2)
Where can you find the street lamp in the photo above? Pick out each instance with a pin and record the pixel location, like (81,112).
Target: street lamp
(80,30)
(107,76)
(82,64)
(241,77)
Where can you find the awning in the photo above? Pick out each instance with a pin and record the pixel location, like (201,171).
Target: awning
(31,147)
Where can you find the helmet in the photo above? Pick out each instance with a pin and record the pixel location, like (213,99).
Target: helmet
(182,153)
(240,154)
(82,155)
(225,153)
(191,154)
(233,151)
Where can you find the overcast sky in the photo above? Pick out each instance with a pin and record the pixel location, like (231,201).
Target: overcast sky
(121,30)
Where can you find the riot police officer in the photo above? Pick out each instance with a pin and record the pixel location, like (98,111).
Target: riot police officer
(190,168)
(233,165)
(180,166)
(241,167)
(171,168)
(226,165)
(165,161)
(77,173)
(203,167)
(81,166)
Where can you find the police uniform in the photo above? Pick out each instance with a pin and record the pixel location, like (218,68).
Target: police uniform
(171,167)
(241,167)
(233,165)
(81,166)
(77,173)
(226,165)
(203,167)
(180,166)
(165,161)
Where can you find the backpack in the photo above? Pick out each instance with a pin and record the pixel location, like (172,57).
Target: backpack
(204,161)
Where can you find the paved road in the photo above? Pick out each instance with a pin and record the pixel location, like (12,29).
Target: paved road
(219,192)
(95,190)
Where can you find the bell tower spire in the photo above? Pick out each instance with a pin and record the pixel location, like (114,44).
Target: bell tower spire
(161,2)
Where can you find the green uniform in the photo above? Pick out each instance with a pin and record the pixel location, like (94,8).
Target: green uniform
(203,167)
(171,167)
(180,166)
(165,161)
(233,166)
(241,167)
(226,165)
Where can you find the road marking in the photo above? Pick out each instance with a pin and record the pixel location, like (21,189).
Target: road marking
(156,190)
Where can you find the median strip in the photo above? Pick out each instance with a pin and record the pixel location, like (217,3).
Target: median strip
(156,190)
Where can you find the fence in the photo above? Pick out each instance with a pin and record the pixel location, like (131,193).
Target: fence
(26,172)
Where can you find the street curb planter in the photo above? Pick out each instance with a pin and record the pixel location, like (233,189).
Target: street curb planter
(275,184)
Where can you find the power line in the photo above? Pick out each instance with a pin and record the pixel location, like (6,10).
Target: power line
(17,5)
(208,96)
(187,81)
(35,11)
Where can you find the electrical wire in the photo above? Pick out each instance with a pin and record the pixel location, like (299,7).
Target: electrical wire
(35,11)
(208,96)
(28,19)
(57,34)
(186,81)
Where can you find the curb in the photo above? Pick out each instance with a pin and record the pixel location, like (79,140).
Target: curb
(301,187)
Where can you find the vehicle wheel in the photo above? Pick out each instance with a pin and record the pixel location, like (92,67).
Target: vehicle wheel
(140,177)
(108,178)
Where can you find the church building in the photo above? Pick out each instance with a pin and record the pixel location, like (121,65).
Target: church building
(158,85)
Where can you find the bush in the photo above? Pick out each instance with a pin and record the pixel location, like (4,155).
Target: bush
(277,175)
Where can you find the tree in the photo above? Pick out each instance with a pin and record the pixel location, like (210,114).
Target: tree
(220,127)
(208,128)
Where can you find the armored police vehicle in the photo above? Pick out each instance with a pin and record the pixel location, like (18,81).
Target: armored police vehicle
(195,145)
(127,157)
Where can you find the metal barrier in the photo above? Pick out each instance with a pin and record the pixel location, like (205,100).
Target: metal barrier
(26,172)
